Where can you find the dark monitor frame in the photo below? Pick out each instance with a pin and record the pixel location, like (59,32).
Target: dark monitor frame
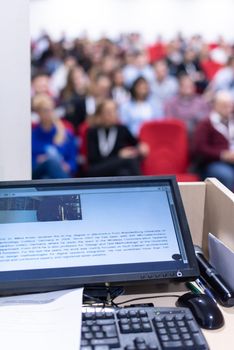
(16,282)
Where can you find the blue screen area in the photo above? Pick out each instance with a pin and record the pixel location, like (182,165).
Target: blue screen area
(89,230)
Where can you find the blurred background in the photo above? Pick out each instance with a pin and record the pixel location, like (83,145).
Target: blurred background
(148,17)
(130,87)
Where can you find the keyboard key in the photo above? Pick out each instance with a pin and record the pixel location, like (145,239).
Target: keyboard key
(171,324)
(152,346)
(136,327)
(173,345)
(169,317)
(175,337)
(122,314)
(189,343)
(110,330)
(172,330)
(142,313)
(162,331)
(99,335)
(165,337)
(179,317)
(112,342)
(184,330)
(88,315)
(146,327)
(193,326)
(159,324)
(104,322)
(125,328)
(132,313)
(186,336)
(88,336)
(124,321)
(135,320)
(139,340)
(159,318)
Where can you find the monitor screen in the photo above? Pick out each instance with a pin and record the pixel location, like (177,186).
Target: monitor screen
(67,233)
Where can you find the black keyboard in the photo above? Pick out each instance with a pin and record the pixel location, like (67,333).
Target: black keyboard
(140,328)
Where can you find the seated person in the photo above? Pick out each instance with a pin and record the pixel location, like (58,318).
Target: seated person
(165,86)
(112,150)
(187,105)
(73,96)
(191,66)
(214,141)
(53,147)
(224,78)
(140,108)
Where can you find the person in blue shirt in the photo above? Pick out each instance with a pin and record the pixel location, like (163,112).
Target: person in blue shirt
(54,150)
(140,108)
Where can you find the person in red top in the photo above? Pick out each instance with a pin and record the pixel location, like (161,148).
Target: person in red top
(214,141)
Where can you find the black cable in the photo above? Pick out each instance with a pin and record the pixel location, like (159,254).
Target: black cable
(143,298)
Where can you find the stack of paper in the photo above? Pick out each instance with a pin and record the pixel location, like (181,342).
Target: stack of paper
(41,321)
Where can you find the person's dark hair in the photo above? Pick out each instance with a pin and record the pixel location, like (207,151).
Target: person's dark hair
(134,86)
(182,76)
(38,74)
(69,89)
(101,106)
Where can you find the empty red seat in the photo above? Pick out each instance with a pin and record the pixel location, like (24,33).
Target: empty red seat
(168,142)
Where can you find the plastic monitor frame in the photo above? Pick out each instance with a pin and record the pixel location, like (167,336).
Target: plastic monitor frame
(62,278)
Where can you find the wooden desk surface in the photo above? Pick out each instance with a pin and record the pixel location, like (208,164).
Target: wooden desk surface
(222,338)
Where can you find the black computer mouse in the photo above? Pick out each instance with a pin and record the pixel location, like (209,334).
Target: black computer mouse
(204,309)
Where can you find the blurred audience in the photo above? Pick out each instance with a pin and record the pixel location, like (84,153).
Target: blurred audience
(40,84)
(112,149)
(191,66)
(164,85)
(224,78)
(53,147)
(187,105)
(214,141)
(73,96)
(119,91)
(177,78)
(138,66)
(140,108)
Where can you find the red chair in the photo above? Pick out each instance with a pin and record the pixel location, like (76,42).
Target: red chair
(83,147)
(168,154)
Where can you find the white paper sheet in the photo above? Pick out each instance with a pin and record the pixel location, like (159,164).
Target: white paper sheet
(222,258)
(41,321)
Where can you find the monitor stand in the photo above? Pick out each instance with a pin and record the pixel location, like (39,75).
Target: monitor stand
(101,293)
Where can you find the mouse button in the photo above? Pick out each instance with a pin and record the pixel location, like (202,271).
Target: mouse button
(185,298)
(215,319)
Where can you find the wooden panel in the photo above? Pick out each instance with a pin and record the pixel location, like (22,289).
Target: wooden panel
(193,197)
(219,213)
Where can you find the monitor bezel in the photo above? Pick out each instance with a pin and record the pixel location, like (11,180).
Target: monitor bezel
(59,279)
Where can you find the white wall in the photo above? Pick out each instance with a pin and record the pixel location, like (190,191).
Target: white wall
(150,17)
(15,142)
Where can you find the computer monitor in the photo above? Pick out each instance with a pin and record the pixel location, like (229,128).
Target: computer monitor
(67,233)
